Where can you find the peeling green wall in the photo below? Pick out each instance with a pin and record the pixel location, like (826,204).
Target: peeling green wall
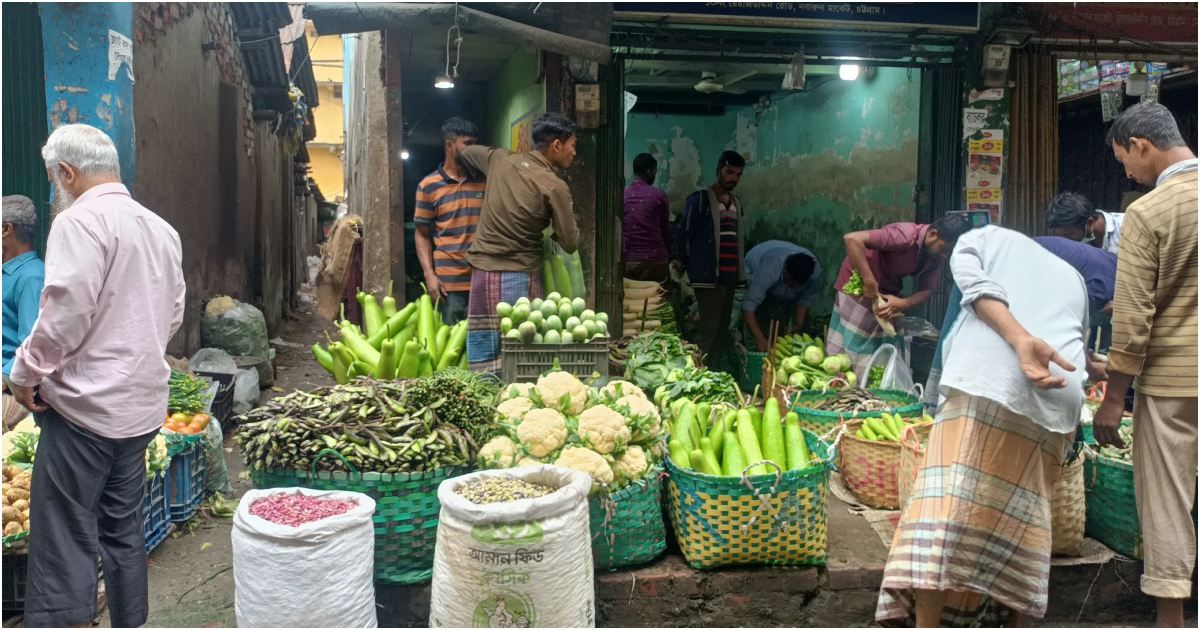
(514,93)
(838,158)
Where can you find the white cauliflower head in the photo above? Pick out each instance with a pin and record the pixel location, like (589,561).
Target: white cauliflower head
(529,461)
(517,390)
(632,464)
(499,452)
(564,392)
(588,461)
(514,409)
(615,390)
(642,417)
(543,431)
(603,429)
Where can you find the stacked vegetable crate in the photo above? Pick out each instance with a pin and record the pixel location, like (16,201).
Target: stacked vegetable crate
(186,477)
(156,521)
(1112,516)
(525,362)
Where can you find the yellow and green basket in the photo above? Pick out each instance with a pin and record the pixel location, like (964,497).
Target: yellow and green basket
(773,519)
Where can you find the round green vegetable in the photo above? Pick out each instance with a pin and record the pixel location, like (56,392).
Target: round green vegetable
(520,313)
(513,334)
(528,331)
(564,311)
(506,324)
(549,308)
(602,317)
(553,322)
(536,318)
(554,297)
(504,309)
(552,336)
(572,322)
(588,314)
(578,305)
(580,334)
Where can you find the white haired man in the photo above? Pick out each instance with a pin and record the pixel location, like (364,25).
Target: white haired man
(93,372)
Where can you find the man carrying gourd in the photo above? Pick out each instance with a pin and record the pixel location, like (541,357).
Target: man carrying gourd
(524,195)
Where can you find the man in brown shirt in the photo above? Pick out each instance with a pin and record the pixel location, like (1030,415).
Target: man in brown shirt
(1154,341)
(524,196)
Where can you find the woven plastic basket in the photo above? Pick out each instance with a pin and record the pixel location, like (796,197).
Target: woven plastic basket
(1068,510)
(773,519)
(912,454)
(406,511)
(822,422)
(627,525)
(1112,516)
(752,369)
(871,469)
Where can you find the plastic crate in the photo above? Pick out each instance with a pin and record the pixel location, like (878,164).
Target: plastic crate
(156,521)
(222,406)
(185,482)
(14,567)
(525,362)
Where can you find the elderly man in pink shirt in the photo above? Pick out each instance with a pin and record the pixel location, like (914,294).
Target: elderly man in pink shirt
(94,373)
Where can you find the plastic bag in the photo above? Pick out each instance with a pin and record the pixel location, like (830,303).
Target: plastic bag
(896,373)
(213,360)
(245,391)
(217,479)
(320,574)
(520,564)
(239,329)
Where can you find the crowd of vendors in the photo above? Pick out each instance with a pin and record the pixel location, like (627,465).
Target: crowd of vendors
(1018,346)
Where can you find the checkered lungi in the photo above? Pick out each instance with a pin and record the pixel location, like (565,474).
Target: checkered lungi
(489,288)
(977,526)
(853,330)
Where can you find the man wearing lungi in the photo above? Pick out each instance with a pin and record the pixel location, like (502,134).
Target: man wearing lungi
(884,258)
(1154,341)
(93,372)
(524,195)
(973,544)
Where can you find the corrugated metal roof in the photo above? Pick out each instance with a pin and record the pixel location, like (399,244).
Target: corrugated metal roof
(258,29)
(270,16)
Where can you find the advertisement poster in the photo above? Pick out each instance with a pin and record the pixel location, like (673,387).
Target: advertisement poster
(985,173)
(521,132)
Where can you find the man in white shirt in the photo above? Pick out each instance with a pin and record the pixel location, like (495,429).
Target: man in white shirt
(1072,216)
(93,372)
(977,529)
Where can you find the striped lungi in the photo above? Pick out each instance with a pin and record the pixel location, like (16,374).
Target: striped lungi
(853,330)
(977,527)
(489,288)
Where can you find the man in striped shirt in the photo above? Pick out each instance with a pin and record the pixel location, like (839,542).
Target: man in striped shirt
(1154,341)
(447,212)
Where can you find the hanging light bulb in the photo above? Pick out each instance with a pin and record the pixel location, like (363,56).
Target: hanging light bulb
(445,80)
(848,72)
(404,154)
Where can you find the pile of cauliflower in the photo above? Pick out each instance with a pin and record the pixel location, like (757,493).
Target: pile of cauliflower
(612,433)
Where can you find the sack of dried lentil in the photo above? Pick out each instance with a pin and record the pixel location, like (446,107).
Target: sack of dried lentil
(514,550)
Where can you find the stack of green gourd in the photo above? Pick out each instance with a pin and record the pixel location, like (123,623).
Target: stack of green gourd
(723,441)
(396,343)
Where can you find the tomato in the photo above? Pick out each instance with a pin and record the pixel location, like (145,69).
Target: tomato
(195,427)
(180,417)
(201,418)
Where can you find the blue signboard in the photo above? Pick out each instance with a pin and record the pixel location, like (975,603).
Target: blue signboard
(948,15)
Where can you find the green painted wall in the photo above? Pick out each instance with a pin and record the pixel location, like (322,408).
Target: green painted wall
(837,158)
(512,94)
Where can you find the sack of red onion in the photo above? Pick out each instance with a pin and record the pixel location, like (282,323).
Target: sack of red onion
(304,558)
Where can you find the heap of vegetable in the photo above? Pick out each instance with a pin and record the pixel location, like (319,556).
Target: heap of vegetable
(854,285)
(646,308)
(612,433)
(887,428)
(650,358)
(294,510)
(377,426)
(555,320)
(853,400)
(466,400)
(698,384)
(1121,454)
(800,363)
(723,440)
(185,393)
(562,273)
(406,343)
(17,482)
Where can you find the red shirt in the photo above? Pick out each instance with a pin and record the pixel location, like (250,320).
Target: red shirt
(893,253)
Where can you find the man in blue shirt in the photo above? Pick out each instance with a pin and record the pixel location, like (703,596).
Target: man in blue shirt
(23,275)
(1098,267)
(780,276)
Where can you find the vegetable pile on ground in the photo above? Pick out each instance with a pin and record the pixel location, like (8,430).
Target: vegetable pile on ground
(562,273)
(645,308)
(612,433)
(887,428)
(722,440)
(16,500)
(377,426)
(648,359)
(554,320)
(405,343)
(186,393)
(295,510)
(502,490)
(800,363)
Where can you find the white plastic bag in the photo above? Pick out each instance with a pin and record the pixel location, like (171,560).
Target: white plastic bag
(896,373)
(320,574)
(521,564)
(245,391)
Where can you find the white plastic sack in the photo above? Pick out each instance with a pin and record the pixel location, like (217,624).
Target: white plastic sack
(320,574)
(245,391)
(521,564)
(896,373)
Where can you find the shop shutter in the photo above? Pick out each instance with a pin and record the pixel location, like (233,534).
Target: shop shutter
(24,101)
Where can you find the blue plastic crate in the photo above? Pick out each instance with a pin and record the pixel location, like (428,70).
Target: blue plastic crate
(157,520)
(186,479)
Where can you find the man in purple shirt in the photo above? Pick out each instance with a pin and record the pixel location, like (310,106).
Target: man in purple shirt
(646,230)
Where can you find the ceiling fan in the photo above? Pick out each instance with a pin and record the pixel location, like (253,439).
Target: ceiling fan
(709,83)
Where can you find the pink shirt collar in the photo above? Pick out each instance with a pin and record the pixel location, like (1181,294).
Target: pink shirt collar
(112,188)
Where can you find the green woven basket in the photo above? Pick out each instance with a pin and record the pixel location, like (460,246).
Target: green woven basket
(751,370)
(1112,516)
(821,422)
(406,511)
(773,519)
(627,526)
